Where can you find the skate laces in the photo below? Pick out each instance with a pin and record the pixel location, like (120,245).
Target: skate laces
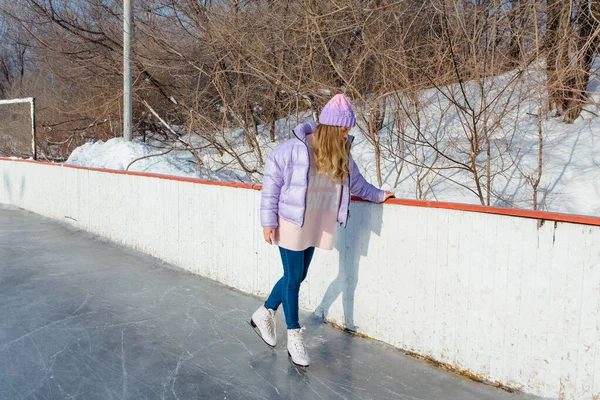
(269,320)
(298,341)
(270,324)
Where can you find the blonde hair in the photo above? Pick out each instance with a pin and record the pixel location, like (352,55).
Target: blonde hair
(331,154)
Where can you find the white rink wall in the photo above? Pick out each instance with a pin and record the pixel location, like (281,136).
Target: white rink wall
(509,299)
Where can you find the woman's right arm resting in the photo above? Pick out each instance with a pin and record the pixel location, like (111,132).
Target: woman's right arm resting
(269,195)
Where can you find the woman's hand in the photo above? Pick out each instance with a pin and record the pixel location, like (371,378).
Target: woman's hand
(269,234)
(388,195)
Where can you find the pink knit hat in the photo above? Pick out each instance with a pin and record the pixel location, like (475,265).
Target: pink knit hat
(338,112)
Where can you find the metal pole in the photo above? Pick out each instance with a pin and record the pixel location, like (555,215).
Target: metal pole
(127,122)
(33,129)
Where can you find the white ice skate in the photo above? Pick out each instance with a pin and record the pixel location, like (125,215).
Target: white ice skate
(263,322)
(296,349)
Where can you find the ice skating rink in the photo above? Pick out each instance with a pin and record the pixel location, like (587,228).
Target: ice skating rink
(84,318)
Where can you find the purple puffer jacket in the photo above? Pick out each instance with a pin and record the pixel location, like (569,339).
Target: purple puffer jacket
(285,183)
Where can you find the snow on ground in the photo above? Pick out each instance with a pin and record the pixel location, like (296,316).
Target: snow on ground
(570,181)
(410,165)
(117,154)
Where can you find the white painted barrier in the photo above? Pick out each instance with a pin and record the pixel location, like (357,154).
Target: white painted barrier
(508,299)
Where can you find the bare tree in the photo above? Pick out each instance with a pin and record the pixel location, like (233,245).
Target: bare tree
(220,75)
(572,40)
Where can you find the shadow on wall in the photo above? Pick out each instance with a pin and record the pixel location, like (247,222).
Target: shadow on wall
(352,244)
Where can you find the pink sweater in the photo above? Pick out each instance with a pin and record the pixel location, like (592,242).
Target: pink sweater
(320,218)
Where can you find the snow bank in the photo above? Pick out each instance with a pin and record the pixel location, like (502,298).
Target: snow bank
(117,154)
(570,181)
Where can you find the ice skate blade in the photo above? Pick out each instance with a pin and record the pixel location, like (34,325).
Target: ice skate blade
(303,367)
(257,331)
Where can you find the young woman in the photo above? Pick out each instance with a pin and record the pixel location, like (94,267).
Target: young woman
(306,191)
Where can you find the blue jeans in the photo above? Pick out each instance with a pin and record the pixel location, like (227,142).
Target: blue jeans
(295,268)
